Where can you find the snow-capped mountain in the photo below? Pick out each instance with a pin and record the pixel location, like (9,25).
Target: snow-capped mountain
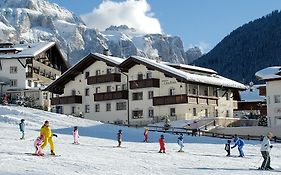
(193,54)
(40,20)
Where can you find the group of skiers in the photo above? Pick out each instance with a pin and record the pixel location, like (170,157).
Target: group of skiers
(46,137)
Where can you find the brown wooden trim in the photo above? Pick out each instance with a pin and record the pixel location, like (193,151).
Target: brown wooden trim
(144,83)
(67,100)
(115,95)
(115,77)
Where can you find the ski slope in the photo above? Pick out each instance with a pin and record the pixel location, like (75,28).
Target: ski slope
(97,153)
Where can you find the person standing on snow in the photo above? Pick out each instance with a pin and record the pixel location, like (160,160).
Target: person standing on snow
(180,142)
(119,138)
(22,128)
(265,149)
(38,145)
(47,133)
(239,143)
(162,144)
(145,135)
(227,147)
(75,135)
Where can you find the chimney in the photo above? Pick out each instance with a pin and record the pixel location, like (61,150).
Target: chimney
(106,52)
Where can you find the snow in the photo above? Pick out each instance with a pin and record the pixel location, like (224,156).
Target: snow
(97,153)
(269,73)
(253,95)
(112,59)
(196,68)
(214,79)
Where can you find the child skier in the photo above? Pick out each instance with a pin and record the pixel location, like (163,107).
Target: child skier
(145,135)
(265,149)
(162,144)
(240,143)
(227,147)
(37,144)
(75,135)
(22,128)
(119,138)
(180,142)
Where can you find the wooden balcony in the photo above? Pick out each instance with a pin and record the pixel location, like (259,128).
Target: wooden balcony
(67,100)
(115,95)
(145,83)
(29,75)
(183,98)
(115,77)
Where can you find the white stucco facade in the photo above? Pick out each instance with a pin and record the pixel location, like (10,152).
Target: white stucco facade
(273,95)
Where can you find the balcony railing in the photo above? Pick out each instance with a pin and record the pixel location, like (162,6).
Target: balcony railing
(183,98)
(115,77)
(152,82)
(111,95)
(29,75)
(67,100)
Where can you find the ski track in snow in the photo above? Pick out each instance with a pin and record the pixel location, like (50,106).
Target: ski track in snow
(97,152)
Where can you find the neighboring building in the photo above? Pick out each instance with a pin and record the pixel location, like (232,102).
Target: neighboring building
(139,91)
(272,77)
(26,69)
(252,103)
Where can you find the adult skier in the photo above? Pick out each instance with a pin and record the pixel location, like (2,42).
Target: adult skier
(240,144)
(265,149)
(47,133)
(119,138)
(22,128)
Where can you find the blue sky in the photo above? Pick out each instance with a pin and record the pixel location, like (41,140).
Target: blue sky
(197,22)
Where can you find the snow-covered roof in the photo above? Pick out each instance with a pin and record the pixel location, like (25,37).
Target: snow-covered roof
(115,60)
(252,94)
(27,50)
(190,67)
(213,79)
(269,73)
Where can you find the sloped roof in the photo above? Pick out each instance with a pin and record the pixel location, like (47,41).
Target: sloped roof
(252,94)
(183,76)
(269,73)
(58,85)
(190,67)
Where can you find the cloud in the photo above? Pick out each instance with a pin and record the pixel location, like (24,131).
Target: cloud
(133,13)
(203,46)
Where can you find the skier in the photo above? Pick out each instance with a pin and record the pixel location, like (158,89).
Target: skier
(119,138)
(22,128)
(38,145)
(75,135)
(265,149)
(180,142)
(47,133)
(162,144)
(240,143)
(227,147)
(145,135)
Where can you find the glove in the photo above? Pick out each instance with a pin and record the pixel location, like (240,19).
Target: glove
(55,135)
(271,146)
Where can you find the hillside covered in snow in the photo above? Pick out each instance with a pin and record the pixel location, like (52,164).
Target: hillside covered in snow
(98,154)
(40,20)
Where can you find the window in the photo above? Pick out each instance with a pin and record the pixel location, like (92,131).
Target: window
(29,83)
(97,72)
(206,92)
(172,111)
(118,88)
(108,88)
(277,98)
(149,75)
(194,91)
(97,89)
(137,96)
(73,92)
(45,95)
(227,113)
(194,112)
(116,70)
(13,69)
(87,108)
(13,83)
(172,91)
(215,92)
(35,84)
(87,90)
(121,106)
(108,71)
(206,112)
(137,114)
(97,107)
(108,106)
(216,113)
(150,94)
(150,113)
(227,96)
(140,76)
(124,87)
(73,109)
(87,74)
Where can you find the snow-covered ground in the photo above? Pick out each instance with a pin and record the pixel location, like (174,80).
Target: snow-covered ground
(97,153)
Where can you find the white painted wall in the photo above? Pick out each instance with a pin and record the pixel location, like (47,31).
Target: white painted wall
(273,109)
